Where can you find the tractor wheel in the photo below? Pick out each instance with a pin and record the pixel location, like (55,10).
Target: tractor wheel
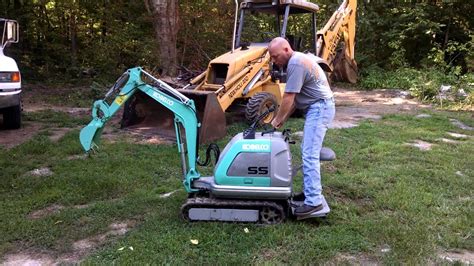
(258,104)
(12,117)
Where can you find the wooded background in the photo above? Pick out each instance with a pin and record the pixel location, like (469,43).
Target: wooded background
(73,40)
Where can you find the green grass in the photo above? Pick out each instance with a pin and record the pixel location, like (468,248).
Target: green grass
(382,194)
(57,118)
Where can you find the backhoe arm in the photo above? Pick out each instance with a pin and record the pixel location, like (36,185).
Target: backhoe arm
(340,25)
(183,108)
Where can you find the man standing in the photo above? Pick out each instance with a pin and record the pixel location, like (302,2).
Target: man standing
(307,89)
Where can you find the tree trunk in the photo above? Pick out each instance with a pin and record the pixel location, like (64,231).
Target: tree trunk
(73,37)
(164,15)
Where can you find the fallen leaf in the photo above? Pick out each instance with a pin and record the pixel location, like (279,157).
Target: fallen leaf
(194,241)
(246,230)
(131,248)
(120,249)
(58,222)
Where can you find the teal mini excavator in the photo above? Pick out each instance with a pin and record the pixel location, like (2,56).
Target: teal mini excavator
(253,175)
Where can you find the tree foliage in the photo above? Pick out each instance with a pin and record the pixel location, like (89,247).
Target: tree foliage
(393,35)
(71,39)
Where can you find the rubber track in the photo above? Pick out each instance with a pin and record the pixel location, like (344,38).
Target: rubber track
(202,202)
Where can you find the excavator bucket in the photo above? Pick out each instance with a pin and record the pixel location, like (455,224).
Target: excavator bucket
(90,135)
(148,117)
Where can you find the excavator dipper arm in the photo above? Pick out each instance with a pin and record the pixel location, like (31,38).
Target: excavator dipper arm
(183,109)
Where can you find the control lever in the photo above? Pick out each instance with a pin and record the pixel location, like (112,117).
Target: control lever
(268,131)
(249,133)
(286,133)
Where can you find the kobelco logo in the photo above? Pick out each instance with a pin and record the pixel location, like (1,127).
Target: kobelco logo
(163,99)
(255,147)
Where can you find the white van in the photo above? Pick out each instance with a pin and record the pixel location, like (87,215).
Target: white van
(10,77)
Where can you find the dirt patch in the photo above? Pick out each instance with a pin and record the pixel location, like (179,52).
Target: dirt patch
(82,206)
(268,254)
(78,157)
(458,138)
(12,138)
(57,133)
(460,124)
(28,258)
(450,141)
(40,172)
(420,144)
(33,101)
(354,106)
(462,256)
(88,243)
(423,116)
(328,168)
(457,135)
(83,247)
(80,248)
(154,140)
(50,210)
(56,208)
(353,259)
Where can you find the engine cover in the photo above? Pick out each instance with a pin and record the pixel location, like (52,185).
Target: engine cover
(261,162)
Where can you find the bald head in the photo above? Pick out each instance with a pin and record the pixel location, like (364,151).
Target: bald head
(280,51)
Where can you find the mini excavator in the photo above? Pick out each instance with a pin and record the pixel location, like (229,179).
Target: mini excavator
(253,175)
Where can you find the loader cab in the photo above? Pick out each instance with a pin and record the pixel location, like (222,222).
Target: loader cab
(260,21)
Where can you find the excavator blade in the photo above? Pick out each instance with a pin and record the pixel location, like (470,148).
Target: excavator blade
(148,117)
(90,134)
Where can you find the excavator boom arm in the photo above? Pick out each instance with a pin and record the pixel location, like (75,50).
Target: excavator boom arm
(183,109)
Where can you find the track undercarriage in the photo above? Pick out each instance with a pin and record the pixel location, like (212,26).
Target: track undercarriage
(204,208)
(234,210)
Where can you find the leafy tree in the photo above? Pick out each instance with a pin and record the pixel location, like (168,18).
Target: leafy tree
(75,39)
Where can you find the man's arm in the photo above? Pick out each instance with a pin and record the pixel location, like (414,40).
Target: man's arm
(286,108)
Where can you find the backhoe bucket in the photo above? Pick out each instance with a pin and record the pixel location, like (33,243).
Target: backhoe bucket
(145,115)
(345,69)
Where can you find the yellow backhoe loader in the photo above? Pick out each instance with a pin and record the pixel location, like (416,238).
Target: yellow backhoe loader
(245,76)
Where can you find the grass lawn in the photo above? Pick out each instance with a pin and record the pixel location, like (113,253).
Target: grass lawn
(391,203)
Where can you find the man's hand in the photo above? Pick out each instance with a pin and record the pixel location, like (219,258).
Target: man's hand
(286,108)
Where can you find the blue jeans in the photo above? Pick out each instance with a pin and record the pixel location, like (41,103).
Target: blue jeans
(318,118)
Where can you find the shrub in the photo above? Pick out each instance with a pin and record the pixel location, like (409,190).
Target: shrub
(424,83)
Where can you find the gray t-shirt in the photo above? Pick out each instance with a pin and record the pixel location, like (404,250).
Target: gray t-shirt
(306,78)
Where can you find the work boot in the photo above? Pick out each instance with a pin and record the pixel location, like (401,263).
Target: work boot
(307,209)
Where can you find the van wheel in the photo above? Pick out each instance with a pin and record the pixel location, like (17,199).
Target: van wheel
(12,117)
